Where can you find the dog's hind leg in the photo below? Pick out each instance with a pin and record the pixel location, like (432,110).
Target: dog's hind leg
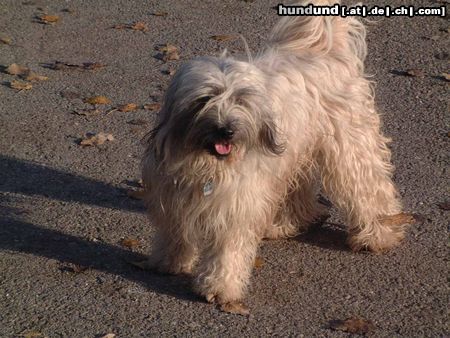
(356,174)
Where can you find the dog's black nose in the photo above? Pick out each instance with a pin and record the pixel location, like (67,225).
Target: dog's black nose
(226,132)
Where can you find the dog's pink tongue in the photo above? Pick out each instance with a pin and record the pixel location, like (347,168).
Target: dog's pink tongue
(223,148)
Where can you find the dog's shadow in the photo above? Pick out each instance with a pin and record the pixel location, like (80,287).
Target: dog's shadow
(19,236)
(16,235)
(32,179)
(326,235)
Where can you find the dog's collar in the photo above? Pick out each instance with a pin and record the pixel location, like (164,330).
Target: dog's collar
(208,187)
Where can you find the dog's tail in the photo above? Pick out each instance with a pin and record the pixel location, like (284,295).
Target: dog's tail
(319,35)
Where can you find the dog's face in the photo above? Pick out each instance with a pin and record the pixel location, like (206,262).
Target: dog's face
(216,107)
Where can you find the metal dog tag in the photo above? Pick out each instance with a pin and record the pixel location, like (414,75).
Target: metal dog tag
(208,188)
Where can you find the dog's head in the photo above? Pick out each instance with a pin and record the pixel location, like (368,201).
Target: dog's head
(217,107)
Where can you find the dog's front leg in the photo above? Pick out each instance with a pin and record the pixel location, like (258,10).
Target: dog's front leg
(225,265)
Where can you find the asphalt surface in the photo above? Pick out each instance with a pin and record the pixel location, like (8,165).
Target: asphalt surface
(64,207)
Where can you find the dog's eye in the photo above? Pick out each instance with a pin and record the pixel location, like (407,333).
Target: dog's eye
(200,103)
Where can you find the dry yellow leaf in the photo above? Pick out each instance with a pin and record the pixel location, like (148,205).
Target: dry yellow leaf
(32,334)
(259,262)
(168,48)
(446,76)
(222,38)
(15,69)
(415,72)
(235,308)
(353,325)
(49,19)
(97,100)
(5,40)
(33,77)
(168,52)
(127,107)
(152,106)
(129,242)
(160,13)
(20,85)
(96,139)
(139,26)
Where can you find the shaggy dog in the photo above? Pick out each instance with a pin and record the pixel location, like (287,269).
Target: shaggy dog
(241,147)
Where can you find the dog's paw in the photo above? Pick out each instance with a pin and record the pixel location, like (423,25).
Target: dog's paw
(379,243)
(219,294)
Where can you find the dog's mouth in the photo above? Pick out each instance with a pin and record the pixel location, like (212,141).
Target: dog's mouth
(222,148)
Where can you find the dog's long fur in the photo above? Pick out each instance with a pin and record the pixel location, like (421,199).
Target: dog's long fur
(302,112)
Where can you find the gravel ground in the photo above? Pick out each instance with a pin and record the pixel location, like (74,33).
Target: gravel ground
(64,207)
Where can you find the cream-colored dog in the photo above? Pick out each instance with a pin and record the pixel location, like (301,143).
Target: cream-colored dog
(241,147)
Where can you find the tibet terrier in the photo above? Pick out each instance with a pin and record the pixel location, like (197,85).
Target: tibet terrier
(241,148)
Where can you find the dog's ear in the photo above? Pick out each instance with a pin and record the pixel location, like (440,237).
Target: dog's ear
(269,138)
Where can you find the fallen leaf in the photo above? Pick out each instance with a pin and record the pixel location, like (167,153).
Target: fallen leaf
(235,308)
(97,100)
(222,38)
(352,325)
(48,19)
(259,262)
(139,26)
(92,66)
(108,335)
(168,52)
(160,13)
(415,72)
(398,219)
(60,65)
(32,334)
(138,122)
(96,139)
(87,112)
(125,108)
(152,106)
(129,243)
(15,69)
(444,206)
(167,48)
(74,268)
(34,77)
(446,76)
(20,85)
(5,40)
(136,194)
